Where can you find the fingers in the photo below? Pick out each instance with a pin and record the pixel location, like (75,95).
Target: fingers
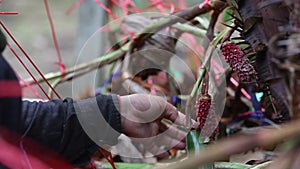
(195,124)
(173,131)
(172,114)
(177,117)
(170,142)
(160,153)
(155,146)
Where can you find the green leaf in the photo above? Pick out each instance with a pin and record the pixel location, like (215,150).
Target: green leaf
(195,145)
(198,82)
(227,16)
(220,36)
(229,165)
(120,165)
(233,3)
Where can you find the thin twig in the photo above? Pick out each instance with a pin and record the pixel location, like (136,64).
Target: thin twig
(179,17)
(190,29)
(210,36)
(211,26)
(206,84)
(97,63)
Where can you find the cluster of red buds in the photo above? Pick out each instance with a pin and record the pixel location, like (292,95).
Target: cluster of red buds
(203,107)
(238,62)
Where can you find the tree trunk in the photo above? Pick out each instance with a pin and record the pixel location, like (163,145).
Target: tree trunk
(264,22)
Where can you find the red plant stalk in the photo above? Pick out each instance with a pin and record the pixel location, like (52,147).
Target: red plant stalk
(108,157)
(33,90)
(30,60)
(133,6)
(26,68)
(115,18)
(9,13)
(74,6)
(124,5)
(60,63)
(159,5)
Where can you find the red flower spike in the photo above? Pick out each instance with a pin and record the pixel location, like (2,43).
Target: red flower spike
(207,117)
(203,107)
(212,123)
(238,62)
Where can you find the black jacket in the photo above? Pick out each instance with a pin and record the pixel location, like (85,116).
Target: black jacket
(10,97)
(57,125)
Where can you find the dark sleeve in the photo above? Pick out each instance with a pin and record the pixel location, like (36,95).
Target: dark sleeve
(61,125)
(10,97)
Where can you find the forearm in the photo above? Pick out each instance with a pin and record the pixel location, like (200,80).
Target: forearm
(100,118)
(61,125)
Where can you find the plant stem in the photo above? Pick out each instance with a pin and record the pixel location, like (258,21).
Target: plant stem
(190,29)
(205,63)
(103,60)
(192,95)
(179,17)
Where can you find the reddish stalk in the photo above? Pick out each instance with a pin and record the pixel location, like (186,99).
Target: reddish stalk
(60,63)
(35,92)
(108,157)
(115,17)
(164,5)
(159,5)
(9,13)
(133,6)
(207,3)
(74,6)
(125,5)
(30,60)
(23,64)
(92,164)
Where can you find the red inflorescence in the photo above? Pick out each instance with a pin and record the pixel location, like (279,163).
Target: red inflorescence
(238,62)
(206,115)
(203,107)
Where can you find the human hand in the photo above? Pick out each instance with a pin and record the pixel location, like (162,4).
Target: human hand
(141,118)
